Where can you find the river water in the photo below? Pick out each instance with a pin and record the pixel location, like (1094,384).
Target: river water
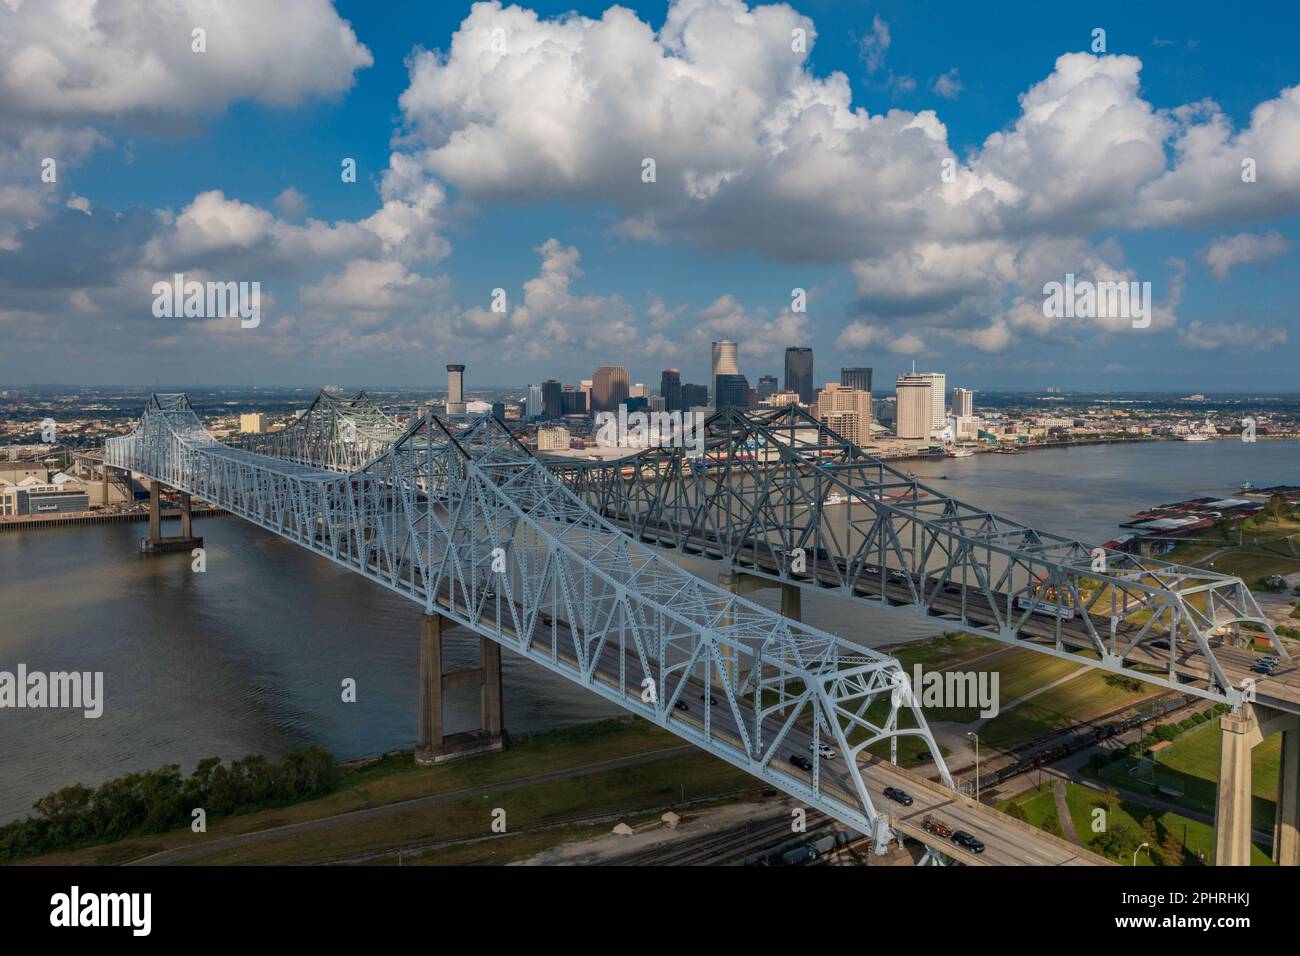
(249,656)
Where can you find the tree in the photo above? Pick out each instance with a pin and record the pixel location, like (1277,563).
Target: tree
(1052,825)
(1149,833)
(1111,799)
(1017,811)
(1171,851)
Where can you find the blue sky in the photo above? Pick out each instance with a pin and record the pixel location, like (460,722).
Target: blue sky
(597,273)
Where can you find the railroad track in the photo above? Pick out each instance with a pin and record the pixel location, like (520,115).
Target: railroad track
(727,846)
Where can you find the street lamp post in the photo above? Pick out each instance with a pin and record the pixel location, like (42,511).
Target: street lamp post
(971,733)
(1137,851)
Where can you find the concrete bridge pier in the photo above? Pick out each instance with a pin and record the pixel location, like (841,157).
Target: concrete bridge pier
(739,583)
(433,744)
(156,543)
(1239,734)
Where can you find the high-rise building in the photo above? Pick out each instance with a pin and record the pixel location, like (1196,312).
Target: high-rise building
(455,390)
(846,411)
(767,387)
(552,391)
(670,387)
(726,358)
(731,390)
(915,416)
(694,396)
(573,402)
(499,411)
(859,378)
(253,423)
(938,415)
(799,373)
(533,409)
(585,387)
(963,403)
(609,388)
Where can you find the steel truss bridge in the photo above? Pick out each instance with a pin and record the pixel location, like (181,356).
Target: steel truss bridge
(757,500)
(778,495)
(435,514)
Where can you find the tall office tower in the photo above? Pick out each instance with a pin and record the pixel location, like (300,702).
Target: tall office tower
(499,411)
(938,415)
(694,396)
(455,390)
(609,388)
(670,387)
(963,403)
(767,387)
(731,390)
(533,408)
(726,358)
(859,378)
(585,387)
(551,399)
(799,373)
(573,402)
(915,415)
(638,390)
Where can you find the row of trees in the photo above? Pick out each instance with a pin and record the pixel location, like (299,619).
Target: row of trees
(163,799)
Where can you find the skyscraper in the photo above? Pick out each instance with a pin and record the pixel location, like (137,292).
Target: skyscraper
(533,409)
(726,361)
(455,390)
(552,391)
(859,378)
(963,403)
(915,406)
(767,386)
(846,411)
(609,388)
(938,383)
(799,373)
(731,390)
(670,387)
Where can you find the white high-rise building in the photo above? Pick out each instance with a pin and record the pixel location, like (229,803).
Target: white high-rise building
(938,414)
(963,403)
(915,415)
(533,408)
(726,360)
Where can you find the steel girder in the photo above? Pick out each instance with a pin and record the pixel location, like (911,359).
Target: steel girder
(437,515)
(757,499)
(334,432)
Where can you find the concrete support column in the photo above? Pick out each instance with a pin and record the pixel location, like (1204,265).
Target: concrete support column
(1238,734)
(433,743)
(1286,831)
(792,602)
(729,581)
(491,717)
(104,470)
(430,734)
(155,511)
(186,516)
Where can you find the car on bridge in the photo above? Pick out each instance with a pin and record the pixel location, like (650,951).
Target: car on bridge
(681,705)
(802,762)
(713,701)
(898,795)
(967,841)
(828,753)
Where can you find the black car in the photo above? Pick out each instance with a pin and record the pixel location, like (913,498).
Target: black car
(713,701)
(802,762)
(967,841)
(898,796)
(1160,645)
(681,705)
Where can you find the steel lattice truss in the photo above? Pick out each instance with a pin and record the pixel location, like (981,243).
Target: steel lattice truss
(758,499)
(338,433)
(437,515)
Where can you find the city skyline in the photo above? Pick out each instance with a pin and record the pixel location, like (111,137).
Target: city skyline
(389,274)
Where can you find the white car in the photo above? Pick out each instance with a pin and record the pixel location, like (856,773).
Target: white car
(826,752)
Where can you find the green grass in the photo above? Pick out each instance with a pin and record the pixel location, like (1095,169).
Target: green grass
(1191,764)
(1038,802)
(1196,837)
(1087,695)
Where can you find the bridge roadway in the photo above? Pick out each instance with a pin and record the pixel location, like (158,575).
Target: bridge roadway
(1280,690)
(1008,842)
